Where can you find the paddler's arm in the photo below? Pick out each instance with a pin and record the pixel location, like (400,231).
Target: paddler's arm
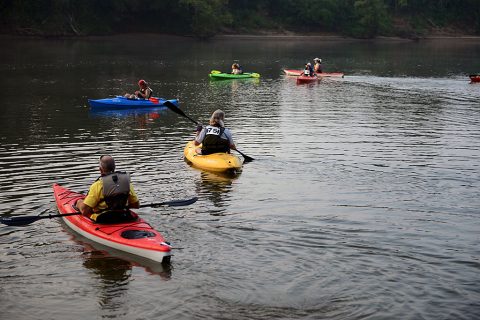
(84,209)
(133,202)
(200,136)
(134,205)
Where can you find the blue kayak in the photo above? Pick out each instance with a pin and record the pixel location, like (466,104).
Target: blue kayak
(120,102)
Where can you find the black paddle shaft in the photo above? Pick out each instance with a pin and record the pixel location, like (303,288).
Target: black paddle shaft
(26,220)
(175,109)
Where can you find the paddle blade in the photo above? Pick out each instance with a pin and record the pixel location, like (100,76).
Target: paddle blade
(215,72)
(175,109)
(178,203)
(20,221)
(245,157)
(173,203)
(255,75)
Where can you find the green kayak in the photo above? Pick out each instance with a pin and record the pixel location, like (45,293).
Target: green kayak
(220,75)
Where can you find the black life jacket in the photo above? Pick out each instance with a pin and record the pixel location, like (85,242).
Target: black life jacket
(145,90)
(213,143)
(116,188)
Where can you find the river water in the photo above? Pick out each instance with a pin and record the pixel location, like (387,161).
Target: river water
(362,202)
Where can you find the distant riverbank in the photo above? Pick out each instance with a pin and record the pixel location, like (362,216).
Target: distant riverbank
(241,37)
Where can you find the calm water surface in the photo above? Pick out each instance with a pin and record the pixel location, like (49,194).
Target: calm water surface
(362,203)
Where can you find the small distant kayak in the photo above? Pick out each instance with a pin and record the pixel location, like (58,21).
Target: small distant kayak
(307,79)
(217,162)
(291,72)
(135,237)
(474,77)
(120,102)
(220,75)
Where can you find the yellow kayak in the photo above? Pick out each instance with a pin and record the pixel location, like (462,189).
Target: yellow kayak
(218,162)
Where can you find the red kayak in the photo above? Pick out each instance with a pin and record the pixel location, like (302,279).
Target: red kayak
(474,77)
(307,79)
(135,237)
(291,72)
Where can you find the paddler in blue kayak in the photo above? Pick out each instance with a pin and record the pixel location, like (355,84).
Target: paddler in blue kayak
(145,91)
(111,196)
(215,137)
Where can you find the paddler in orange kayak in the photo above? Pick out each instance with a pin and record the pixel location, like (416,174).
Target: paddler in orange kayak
(111,196)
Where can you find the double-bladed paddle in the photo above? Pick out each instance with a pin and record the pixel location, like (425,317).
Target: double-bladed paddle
(25,220)
(175,109)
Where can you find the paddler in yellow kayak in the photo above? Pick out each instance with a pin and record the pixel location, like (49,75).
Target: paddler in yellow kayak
(214,137)
(111,196)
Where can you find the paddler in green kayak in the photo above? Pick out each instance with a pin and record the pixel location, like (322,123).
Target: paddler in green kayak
(214,137)
(236,69)
(111,196)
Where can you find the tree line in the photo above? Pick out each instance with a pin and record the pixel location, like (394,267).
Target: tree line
(206,18)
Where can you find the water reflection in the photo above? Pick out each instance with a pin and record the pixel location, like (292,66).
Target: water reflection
(146,113)
(115,267)
(215,187)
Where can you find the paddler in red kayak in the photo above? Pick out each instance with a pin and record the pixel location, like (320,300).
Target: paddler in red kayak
(215,137)
(308,71)
(318,65)
(110,197)
(145,91)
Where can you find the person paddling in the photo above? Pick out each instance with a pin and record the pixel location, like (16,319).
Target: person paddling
(318,65)
(308,71)
(215,137)
(236,69)
(145,91)
(111,196)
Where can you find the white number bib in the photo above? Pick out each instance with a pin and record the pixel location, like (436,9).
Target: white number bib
(213,130)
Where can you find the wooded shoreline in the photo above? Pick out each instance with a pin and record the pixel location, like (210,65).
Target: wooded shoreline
(209,18)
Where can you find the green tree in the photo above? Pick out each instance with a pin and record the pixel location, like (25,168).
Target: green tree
(206,16)
(371,18)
